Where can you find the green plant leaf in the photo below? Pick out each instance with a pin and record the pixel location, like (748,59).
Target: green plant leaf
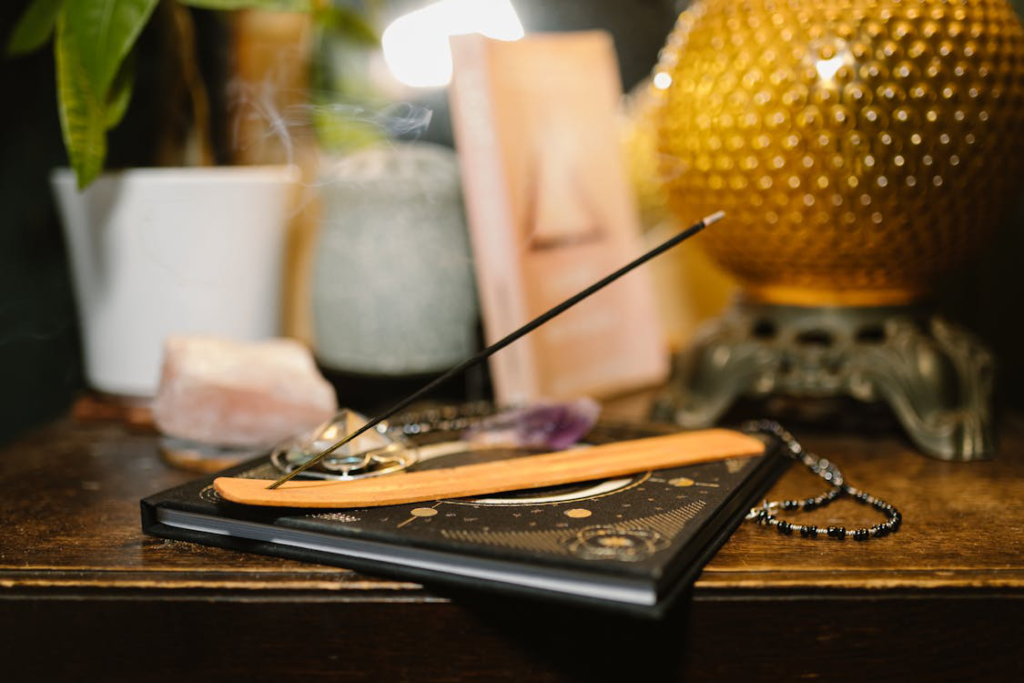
(347,23)
(34,27)
(82,118)
(270,5)
(342,134)
(103,32)
(120,94)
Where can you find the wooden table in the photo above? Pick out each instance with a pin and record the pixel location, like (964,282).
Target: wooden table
(85,596)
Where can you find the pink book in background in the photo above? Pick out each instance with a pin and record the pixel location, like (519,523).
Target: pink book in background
(550,212)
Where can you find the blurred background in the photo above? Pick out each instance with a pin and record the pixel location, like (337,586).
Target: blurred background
(40,350)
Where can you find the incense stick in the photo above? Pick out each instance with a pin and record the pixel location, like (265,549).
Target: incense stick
(505,341)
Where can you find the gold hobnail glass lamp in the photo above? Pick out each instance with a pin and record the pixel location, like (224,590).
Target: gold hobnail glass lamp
(862,149)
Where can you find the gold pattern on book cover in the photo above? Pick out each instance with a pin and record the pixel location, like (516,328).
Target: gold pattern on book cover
(629,540)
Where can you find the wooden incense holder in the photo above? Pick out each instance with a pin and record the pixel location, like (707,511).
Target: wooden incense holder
(527,472)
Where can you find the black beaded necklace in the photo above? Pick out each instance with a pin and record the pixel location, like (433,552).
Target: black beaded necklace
(765,514)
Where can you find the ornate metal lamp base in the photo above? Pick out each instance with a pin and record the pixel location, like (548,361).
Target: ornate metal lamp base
(936,377)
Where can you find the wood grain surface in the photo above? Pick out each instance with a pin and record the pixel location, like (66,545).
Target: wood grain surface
(85,596)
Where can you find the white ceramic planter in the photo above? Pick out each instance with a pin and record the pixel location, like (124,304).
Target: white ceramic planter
(172,251)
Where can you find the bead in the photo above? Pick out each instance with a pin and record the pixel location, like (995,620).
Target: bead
(838,487)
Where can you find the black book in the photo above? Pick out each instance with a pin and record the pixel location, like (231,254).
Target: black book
(629,544)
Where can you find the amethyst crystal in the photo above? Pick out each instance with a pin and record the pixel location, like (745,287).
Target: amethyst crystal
(549,426)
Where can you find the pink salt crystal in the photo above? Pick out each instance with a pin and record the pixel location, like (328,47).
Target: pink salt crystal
(240,394)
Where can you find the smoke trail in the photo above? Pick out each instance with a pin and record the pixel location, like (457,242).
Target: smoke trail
(257,103)
(400,120)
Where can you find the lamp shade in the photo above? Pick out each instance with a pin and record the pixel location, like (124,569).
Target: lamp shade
(860,148)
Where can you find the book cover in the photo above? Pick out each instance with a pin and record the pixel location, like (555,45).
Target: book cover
(629,544)
(550,211)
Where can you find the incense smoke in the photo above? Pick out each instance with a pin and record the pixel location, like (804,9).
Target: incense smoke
(255,106)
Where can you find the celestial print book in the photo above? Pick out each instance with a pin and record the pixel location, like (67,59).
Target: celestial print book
(629,544)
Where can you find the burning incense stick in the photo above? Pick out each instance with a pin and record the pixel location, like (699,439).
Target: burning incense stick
(505,341)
